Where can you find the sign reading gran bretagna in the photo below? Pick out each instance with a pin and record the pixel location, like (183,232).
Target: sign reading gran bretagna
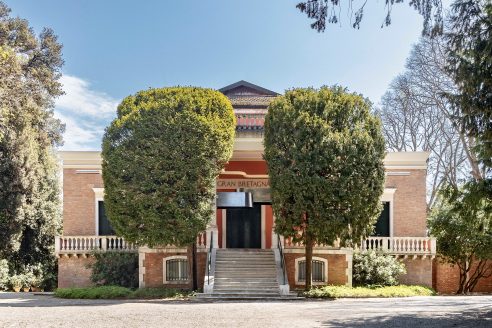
(243,183)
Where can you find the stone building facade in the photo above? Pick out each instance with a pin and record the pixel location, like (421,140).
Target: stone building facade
(240,233)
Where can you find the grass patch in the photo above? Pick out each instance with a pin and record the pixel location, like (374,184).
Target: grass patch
(105,292)
(117,292)
(376,291)
(160,293)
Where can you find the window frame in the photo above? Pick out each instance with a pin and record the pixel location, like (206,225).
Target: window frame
(98,197)
(315,258)
(164,269)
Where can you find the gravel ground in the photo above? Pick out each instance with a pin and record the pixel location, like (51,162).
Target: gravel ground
(27,310)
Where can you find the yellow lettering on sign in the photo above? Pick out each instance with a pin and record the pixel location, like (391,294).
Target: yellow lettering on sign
(243,183)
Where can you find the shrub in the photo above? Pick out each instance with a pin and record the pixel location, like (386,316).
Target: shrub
(106,292)
(4,274)
(160,293)
(115,269)
(376,268)
(387,291)
(16,280)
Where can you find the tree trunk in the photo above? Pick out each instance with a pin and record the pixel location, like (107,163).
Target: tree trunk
(194,266)
(309,261)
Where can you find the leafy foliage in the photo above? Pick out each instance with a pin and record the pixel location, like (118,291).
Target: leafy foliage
(161,157)
(115,268)
(462,225)
(4,274)
(30,210)
(323,11)
(325,156)
(101,292)
(357,292)
(111,292)
(376,268)
(470,52)
(160,293)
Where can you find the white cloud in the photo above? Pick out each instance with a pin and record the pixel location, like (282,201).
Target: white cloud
(85,112)
(80,98)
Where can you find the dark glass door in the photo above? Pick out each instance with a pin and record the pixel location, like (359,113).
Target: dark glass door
(382,227)
(105,228)
(243,227)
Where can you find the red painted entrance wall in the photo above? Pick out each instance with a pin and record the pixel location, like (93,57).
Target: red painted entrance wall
(248,167)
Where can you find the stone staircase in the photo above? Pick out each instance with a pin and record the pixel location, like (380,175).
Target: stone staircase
(245,274)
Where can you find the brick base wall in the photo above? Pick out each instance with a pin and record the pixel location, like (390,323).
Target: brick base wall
(154,269)
(419,272)
(337,268)
(73,272)
(446,279)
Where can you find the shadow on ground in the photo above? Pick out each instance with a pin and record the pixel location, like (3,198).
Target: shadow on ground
(475,319)
(10,299)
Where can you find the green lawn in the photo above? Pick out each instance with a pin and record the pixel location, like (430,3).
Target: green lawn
(354,292)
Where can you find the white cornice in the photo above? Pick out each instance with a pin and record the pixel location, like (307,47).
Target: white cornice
(249,149)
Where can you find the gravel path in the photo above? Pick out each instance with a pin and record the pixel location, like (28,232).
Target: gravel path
(27,310)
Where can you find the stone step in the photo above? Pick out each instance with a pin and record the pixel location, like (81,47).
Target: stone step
(245,274)
(245,268)
(247,283)
(250,290)
(211,297)
(245,264)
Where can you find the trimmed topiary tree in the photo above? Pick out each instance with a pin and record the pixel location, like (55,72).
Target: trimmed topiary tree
(325,155)
(161,157)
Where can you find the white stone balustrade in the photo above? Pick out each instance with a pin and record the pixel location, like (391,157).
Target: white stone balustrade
(401,245)
(391,245)
(88,244)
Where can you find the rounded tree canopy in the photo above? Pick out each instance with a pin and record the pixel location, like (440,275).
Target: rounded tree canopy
(161,157)
(325,155)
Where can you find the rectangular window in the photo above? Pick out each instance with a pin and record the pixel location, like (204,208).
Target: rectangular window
(318,271)
(105,228)
(176,269)
(382,226)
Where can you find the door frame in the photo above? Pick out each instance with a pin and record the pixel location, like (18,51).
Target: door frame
(262,228)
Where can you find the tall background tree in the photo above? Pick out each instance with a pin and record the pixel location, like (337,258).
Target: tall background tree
(161,157)
(29,187)
(417,116)
(469,53)
(325,155)
(462,224)
(442,103)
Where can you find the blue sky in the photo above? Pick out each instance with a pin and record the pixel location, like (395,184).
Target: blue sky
(114,48)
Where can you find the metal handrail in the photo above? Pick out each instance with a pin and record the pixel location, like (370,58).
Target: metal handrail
(209,257)
(282,260)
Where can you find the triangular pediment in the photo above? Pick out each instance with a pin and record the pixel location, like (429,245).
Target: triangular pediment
(244,88)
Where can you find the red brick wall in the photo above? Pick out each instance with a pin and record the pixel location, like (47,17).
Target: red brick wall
(154,263)
(337,266)
(419,272)
(79,202)
(446,279)
(409,208)
(73,272)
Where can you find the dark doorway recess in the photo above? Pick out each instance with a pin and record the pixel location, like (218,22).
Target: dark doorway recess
(382,227)
(243,227)
(105,228)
